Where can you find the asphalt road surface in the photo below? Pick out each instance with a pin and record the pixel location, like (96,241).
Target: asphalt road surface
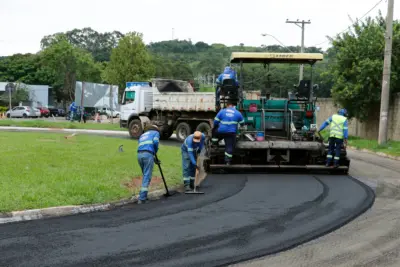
(371,240)
(237,218)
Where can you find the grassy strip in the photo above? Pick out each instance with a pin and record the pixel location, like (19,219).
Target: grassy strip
(41,170)
(61,124)
(391,148)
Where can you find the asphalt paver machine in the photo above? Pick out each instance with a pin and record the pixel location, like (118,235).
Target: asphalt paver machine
(278,133)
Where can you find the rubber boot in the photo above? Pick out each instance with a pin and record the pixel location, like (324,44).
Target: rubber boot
(187,187)
(191,184)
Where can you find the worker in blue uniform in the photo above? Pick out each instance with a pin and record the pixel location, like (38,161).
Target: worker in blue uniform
(225,127)
(147,149)
(190,149)
(229,73)
(338,134)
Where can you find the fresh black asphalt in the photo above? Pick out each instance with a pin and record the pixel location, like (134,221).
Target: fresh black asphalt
(239,217)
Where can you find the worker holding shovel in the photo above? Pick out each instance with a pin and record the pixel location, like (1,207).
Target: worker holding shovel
(190,149)
(147,149)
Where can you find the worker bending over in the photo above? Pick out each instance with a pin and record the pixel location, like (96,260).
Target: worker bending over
(190,149)
(228,73)
(338,132)
(225,127)
(147,149)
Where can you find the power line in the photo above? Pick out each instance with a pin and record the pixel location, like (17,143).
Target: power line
(347,28)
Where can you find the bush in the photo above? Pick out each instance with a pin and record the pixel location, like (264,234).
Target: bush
(3,109)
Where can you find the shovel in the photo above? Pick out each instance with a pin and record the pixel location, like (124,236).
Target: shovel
(169,193)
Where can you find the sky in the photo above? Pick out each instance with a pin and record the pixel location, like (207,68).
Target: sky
(25,22)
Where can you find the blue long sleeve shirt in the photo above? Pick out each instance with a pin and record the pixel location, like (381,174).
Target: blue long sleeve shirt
(149,141)
(193,147)
(227,120)
(329,121)
(227,74)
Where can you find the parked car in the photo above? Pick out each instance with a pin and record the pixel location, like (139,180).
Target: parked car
(107,111)
(23,112)
(56,112)
(44,112)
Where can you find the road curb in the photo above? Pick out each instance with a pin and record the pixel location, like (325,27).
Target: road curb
(64,130)
(381,154)
(53,212)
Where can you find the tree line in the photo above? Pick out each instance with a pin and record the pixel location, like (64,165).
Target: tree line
(350,73)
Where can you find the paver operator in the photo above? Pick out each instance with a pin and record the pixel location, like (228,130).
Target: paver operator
(225,127)
(229,73)
(147,149)
(338,134)
(190,149)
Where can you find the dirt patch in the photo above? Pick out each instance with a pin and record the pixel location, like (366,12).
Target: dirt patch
(136,182)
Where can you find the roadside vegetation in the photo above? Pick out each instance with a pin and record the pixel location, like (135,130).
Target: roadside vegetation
(391,147)
(44,170)
(62,125)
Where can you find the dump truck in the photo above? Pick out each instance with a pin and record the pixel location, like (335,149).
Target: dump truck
(172,105)
(278,133)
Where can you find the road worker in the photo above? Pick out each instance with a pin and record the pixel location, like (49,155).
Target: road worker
(225,127)
(147,149)
(338,134)
(190,149)
(228,73)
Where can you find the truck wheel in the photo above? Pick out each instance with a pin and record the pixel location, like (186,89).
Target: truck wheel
(183,130)
(205,128)
(165,135)
(135,129)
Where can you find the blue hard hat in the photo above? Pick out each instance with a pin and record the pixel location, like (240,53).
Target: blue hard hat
(342,112)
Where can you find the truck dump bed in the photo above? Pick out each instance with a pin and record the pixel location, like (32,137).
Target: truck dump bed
(184,101)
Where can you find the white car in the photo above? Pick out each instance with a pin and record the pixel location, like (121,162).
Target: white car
(116,114)
(23,112)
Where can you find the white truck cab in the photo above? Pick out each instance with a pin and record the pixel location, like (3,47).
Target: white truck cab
(170,104)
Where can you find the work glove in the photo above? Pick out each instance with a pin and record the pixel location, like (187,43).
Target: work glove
(157,161)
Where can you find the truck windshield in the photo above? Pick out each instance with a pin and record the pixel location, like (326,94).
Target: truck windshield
(130,96)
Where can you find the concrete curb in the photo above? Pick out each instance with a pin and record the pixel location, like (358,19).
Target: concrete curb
(36,214)
(64,130)
(381,154)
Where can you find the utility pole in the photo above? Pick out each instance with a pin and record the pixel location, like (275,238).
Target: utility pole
(303,22)
(383,120)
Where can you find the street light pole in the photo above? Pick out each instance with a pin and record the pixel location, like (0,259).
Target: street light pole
(266,34)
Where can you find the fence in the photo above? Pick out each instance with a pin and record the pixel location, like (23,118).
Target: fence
(368,129)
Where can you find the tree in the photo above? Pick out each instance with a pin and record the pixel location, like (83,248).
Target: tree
(130,61)
(68,64)
(23,68)
(356,72)
(99,44)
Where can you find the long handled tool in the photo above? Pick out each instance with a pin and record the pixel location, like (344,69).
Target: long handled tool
(169,193)
(195,181)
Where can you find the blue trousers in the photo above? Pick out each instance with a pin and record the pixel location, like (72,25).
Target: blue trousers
(188,169)
(230,142)
(335,145)
(146,163)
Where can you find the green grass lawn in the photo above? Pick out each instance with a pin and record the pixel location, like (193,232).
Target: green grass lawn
(62,124)
(41,170)
(391,148)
